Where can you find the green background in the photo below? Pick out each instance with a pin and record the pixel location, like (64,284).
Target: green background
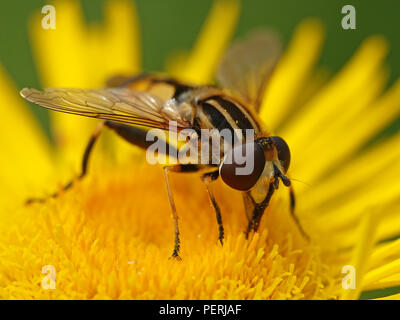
(170,25)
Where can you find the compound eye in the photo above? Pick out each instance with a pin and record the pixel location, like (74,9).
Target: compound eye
(242,166)
(283,152)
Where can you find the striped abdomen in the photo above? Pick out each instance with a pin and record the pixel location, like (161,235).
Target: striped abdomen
(223,112)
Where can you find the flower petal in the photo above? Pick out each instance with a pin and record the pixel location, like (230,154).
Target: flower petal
(379,274)
(60,57)
(292,72)
(25,161)
(74,55)
(215,35)
(361,254)
(335,98)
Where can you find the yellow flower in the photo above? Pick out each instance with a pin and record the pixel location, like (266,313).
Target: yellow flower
(111,235)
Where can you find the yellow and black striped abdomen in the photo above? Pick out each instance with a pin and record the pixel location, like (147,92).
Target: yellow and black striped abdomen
(224,112)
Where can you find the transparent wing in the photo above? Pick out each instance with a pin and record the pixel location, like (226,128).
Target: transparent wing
(122,105)
(248,65)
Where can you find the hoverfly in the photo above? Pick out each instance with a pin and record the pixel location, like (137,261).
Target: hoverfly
(131,106)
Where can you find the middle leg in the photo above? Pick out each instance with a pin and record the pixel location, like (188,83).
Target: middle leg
(176,168)
(207,179)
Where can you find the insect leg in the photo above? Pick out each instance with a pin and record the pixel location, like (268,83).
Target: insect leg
(85,161)
(258,210)
(207,179)
(175,253)
(293,214)
(176,168)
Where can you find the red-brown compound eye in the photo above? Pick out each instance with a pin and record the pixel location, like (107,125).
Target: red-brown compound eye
(283,152)
(243,166)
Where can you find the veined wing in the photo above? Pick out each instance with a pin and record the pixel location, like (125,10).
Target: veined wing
(122,105)
(248,65)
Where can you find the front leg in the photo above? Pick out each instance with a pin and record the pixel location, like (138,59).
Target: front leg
(258,210)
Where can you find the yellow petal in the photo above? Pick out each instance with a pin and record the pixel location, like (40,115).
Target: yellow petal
(366,167)
(25,161)
(392,297)
(292,72)
(116,51)
(337,96)
(382,272)
(384,283)
(333,140)
(215,35)
(77,55)
(60,57)
(361,255)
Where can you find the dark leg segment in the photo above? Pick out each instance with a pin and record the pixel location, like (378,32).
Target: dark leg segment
(258,211)
(259,208)
(207,179)
(85,161)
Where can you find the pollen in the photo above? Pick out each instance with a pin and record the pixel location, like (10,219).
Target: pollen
(110,237)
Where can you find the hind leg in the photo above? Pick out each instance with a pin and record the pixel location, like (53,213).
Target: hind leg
(85,161)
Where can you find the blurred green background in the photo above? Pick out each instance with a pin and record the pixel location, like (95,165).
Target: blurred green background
(170,25)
